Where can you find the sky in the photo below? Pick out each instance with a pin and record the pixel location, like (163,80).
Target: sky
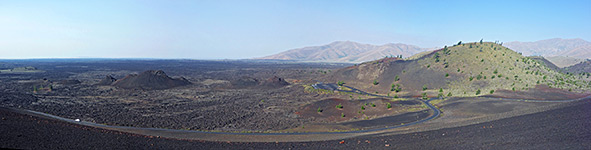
(220,29)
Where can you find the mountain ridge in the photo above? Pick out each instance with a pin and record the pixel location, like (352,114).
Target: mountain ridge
(347,51)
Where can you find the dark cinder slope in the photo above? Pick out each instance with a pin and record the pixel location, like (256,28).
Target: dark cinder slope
(150,80)
(249,82)
(583,67)
(545,62)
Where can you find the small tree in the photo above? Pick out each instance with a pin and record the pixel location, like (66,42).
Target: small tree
(446,75)
(339,106)
(481,41)
(393,87)
(460,43)
(478,92)
(492,91)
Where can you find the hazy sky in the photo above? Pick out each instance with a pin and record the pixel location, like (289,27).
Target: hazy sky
(220,29)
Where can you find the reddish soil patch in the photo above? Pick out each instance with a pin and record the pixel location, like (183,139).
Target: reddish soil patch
(540,92)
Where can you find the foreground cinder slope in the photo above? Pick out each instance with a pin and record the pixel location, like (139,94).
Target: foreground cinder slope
(562,128)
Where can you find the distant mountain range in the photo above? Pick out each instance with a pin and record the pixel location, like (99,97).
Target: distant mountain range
(577,48)
(347,51)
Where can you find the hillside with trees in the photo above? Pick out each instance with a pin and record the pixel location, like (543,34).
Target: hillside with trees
(465,69)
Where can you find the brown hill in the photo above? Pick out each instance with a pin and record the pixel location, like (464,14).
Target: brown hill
(563,61)
(274,82)
(583,52)
(578,48)
(150,80)
(108,80)
(347,51)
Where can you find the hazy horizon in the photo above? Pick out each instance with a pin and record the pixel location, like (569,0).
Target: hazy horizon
(218,30)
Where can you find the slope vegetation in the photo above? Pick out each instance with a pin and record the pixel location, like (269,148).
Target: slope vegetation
(468,69)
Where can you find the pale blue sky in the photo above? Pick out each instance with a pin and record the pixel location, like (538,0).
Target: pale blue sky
(220,29)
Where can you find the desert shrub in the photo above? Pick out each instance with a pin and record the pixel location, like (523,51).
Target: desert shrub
(478,92)
(340,83)
(492,91)
(375,82)
(388,105)
(339,106)
(319,109)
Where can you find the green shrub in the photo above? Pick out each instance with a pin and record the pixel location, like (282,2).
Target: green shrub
(424,87)
(362,107)
(342,115)
(492,91)
(478,92)
(339,106)
(340,83)
(375,82)
(319,109)
(388,105)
